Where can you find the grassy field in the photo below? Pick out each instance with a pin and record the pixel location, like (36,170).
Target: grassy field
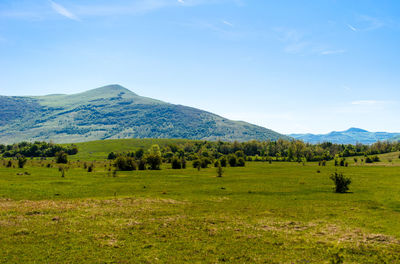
(262,213)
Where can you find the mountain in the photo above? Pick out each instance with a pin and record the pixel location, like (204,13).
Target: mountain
(350,136)
(112,112)
(396,138)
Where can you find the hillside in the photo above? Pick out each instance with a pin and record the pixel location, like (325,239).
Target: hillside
(350,136)
(114,112)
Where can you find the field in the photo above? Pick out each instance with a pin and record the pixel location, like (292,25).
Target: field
(262,213)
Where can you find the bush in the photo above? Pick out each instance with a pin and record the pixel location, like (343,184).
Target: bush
(205,162)
(112,156)
(141,164)
(240,162)
(125,164)
(176,163)
(196,163)
(376,158)
(341,182)
(90,168)
(232,160)
(222,161)
(368,160)
(21,161)
(154,160)
(219,170)
(61,157)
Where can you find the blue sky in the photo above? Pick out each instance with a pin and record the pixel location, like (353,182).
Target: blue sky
(292,66)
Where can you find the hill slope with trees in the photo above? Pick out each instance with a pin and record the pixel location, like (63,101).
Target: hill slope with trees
(114,112)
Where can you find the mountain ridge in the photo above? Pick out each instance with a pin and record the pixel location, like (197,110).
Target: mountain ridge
(111,112)
(350,136)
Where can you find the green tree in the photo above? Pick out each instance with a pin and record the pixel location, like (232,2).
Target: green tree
(61,157)
(21,161)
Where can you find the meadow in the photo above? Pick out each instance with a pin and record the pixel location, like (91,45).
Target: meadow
(283,212)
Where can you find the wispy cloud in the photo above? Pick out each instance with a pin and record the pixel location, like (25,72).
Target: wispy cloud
(63,11)
(181,1)
(227,23)
(352,28)
(297,42)
(368,102)
(332,52)
(365,23)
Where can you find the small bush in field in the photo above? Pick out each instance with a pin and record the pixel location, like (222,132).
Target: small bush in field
(219,170)
(61,157)
(21,161)
(341,182)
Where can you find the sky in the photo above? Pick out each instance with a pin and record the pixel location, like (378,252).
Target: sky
(293,66)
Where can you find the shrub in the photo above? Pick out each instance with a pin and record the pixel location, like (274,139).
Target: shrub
(61,157)
(232,160)
(154,160)
(376,158)
(222,161)
(142,164)
(219,170)
(205,162)
(139,153)
(112,156)
(183,162)
(90,168)
(176,163)
(125,163)
(196,163)
(21,161)
(341,182)
(368,160)
(9,164)
(240,162)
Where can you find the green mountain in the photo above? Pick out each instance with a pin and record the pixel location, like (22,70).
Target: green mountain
(350,136)
(113,112)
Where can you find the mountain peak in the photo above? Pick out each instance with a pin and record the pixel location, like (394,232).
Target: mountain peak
(355,130)
(112,88)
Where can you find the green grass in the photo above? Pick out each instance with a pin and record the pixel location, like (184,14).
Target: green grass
(262,213)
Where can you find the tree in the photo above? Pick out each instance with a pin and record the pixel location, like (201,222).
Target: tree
(223,161)
(240,162)
(232,160)
(125,163)
(176,163)
(61,157)
(139,153)
(154,158)
(112,156)
(219,170)
(21,161)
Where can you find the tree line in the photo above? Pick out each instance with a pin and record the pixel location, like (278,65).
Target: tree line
(35,149)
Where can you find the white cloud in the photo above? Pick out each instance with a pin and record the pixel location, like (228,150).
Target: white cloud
(181,1)
(352,28)
(367,102)
(331,52)
(63,11)
(227,23)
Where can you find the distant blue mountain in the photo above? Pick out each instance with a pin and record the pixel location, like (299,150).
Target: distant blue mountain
(350,136)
